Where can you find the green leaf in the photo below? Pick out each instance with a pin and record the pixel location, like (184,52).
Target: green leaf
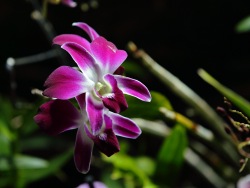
(5,146)
(23,162)
(30,175)
(236,99)
(146,110)
(134,68)
(6,132)
(171,156)
(136,169)
(6,109)
(29,162)
(243,25)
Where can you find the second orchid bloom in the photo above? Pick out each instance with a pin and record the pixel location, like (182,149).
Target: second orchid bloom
(98,88)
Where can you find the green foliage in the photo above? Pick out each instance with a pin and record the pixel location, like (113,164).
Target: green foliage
(28,175)
(17,135)
(243,25)
(134,171)
(171,157)
(132,68)
(147,110)
(235,98)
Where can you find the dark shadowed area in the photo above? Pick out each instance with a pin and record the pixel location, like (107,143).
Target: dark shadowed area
(182,36)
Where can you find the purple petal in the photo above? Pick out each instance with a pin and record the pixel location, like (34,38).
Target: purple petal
(84,60)
(57,116)
(65,83)
(120,70)
(82,104)
(124,127)
(64,38)
(107,55)
(114,101)
(83,150)
(89,30)
(94,109)
(96,184)
(106,141)
(81,101)
(133,87)
(69,3)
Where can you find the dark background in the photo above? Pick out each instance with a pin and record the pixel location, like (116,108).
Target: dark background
(180,35)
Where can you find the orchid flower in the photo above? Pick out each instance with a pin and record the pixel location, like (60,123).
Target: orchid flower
(98,62)
(244,182)
(57,116)
(95,184)
(69,3)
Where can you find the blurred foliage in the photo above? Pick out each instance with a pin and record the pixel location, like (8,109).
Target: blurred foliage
(144,110)
(18,134)
(243,25)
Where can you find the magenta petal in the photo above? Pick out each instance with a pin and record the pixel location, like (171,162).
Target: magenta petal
(64,38)
(57,116)
(133,87)
(124,127)
(94,109)
(84,60)
(81,101)
(89,30)
(83,150)
(106,141)
(107,55)
(114,101)
(65,83)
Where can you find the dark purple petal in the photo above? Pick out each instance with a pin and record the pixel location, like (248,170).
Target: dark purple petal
(84,60)
(124,127)
(120,70)
(65,83)
(94,108)
(57,116)
(89,30)
(108,56)
(65,38)
(83,150)
(133,87)
(106,141)
(114,101)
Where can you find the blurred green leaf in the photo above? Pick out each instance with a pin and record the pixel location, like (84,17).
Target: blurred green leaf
(29,175)
(132,168)
(243,25)
(24,162)
(146,164)
(6,110)
(5,146)
(30,162)
(146,110)
(171,156)
(5,131)
(134,68)
(5,181)
(236,99)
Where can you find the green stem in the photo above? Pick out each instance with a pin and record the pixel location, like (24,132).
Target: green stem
(181,90)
